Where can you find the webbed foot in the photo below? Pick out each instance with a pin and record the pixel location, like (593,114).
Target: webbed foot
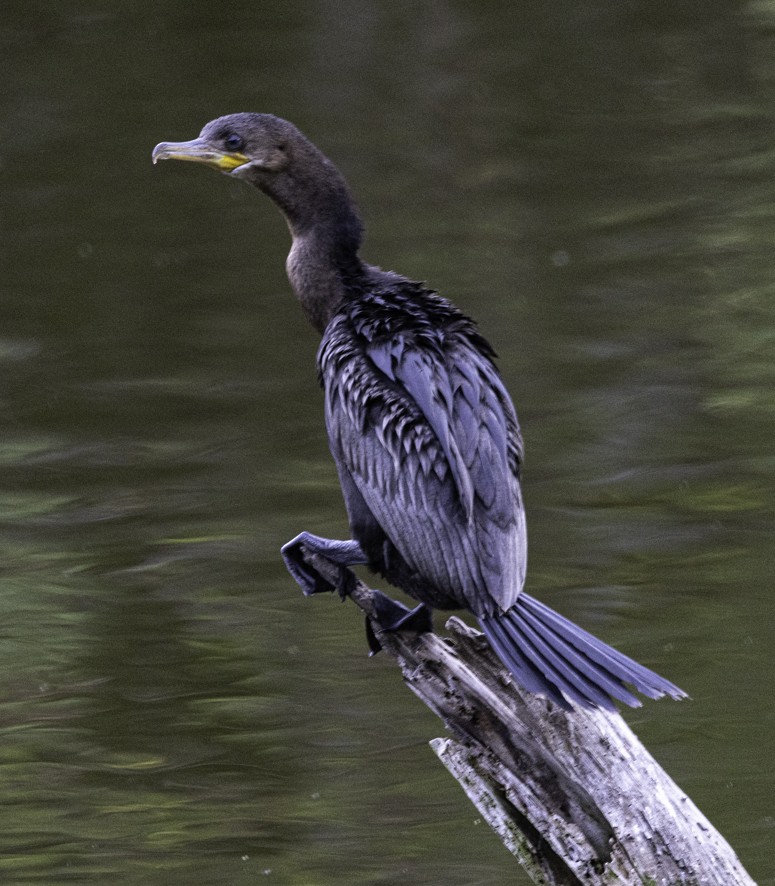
(340,553)
(392,616)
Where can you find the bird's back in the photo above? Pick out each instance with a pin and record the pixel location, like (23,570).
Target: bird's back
(427,446)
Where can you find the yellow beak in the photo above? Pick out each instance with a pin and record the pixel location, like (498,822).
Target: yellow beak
(198,151)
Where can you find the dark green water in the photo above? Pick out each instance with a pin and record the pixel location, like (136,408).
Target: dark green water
(595,182)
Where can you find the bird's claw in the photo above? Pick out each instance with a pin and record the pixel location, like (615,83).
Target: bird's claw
(340,553)
(391,616)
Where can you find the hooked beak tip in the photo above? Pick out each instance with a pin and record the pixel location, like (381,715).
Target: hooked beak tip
(199,151)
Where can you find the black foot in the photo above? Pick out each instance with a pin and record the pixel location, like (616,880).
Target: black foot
(392,616)
(340,553)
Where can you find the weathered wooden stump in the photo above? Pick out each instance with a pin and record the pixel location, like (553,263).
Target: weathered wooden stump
(573,795)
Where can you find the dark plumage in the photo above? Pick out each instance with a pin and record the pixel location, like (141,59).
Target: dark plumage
(423,432)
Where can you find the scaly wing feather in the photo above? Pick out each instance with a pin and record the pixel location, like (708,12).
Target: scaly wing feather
(429,439)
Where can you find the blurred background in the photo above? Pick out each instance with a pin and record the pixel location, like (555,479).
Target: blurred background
(595,183)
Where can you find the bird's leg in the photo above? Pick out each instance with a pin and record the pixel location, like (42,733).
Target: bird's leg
(390,616)
(340,553)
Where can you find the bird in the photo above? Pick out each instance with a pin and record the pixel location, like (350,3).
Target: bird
(423,432)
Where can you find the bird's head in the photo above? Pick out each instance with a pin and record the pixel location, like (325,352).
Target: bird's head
(272,155)
(238,144)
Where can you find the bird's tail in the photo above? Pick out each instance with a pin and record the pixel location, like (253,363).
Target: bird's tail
(550,655)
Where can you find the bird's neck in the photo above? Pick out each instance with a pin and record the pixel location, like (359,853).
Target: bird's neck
(326,230)
(325,227)
(320,271)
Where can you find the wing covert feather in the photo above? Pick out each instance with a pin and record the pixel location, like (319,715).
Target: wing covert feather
(431,441)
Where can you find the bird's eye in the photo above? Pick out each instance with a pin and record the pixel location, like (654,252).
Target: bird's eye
(234,142)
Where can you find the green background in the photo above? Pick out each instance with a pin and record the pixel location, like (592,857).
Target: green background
(595,183)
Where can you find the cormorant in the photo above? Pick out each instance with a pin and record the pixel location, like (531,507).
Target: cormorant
(422,429)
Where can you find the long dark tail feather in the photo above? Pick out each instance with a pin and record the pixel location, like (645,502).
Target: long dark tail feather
(550,655)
